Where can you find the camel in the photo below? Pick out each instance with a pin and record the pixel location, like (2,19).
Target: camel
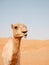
(11,50)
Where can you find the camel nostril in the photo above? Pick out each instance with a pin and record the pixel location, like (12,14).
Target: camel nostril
(24,31)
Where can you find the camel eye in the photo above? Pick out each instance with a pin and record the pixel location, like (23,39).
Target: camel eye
(16,27)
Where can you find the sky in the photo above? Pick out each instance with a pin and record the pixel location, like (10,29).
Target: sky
(33,13)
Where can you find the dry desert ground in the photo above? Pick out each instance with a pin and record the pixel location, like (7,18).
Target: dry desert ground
(33,52)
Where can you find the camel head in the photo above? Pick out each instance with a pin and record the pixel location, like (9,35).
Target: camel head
(19,30)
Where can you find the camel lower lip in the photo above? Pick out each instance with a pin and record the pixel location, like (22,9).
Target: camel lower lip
(25,35)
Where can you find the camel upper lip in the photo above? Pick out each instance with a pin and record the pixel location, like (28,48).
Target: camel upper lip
(24,31)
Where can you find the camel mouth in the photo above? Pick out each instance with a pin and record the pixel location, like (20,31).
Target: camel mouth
(25,35)
(24,32)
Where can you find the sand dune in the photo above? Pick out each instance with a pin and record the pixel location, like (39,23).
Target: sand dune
(33,52)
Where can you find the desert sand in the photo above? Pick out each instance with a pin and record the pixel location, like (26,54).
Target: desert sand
(33,52)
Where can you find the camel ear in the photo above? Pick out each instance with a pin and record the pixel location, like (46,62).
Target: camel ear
(12,26)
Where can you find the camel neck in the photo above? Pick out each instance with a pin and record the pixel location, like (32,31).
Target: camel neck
(16,43)
(16,40)
(16,50)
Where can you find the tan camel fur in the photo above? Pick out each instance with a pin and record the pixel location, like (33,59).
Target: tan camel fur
(11,50)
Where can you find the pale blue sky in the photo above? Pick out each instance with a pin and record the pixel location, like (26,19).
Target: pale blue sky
(33,13)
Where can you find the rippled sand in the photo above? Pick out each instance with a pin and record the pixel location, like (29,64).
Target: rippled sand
(33,52)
